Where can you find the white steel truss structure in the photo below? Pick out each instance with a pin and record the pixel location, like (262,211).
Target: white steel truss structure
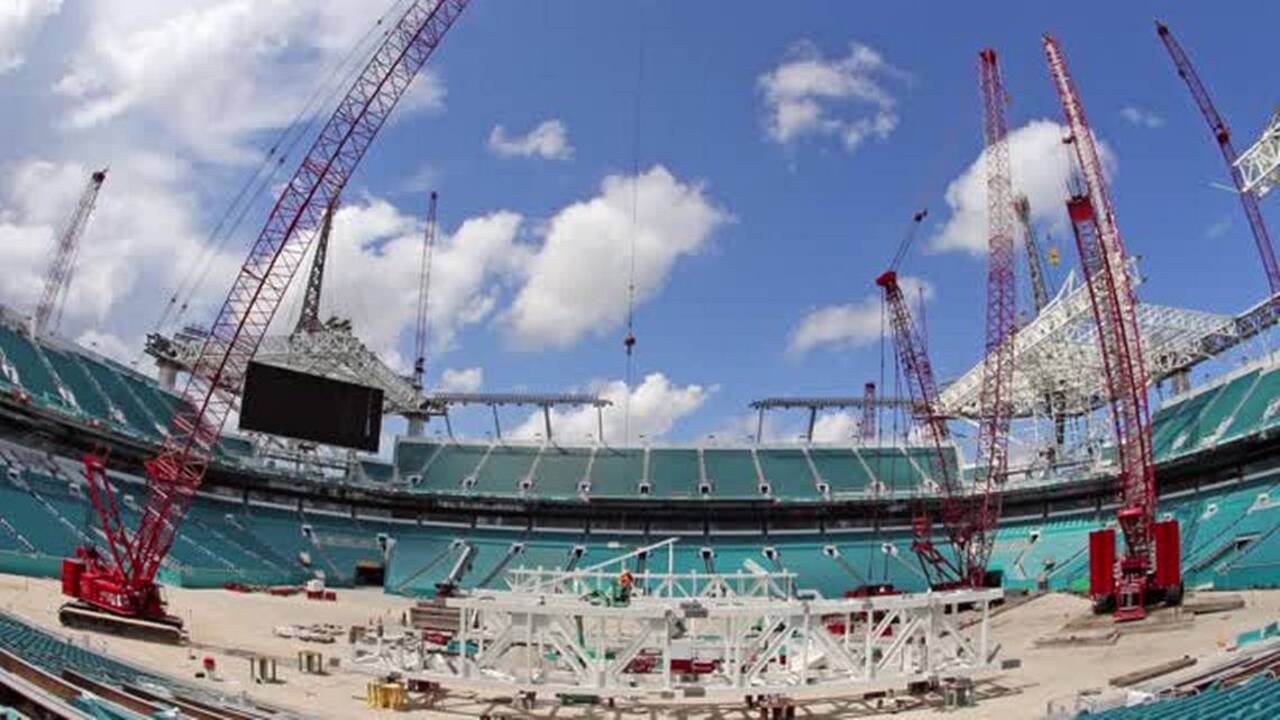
(660,650)
(1057,369)
(1260,165)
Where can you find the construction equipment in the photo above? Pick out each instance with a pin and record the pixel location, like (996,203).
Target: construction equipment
(982,507)
(1222,133)
(58,277)
(1149,566)
(1035,261)
(122,588)
(309,319)
(914,361)
(424,297)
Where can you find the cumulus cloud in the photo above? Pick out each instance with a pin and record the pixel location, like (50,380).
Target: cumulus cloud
(139,238)
(846,98)
(549,140)
(850,325)
(577,281)
(462,379)
(1141,117)
(1218,229)
(1041,169)
(655,405)
(211,72)
(20,22)
(372,273)
(783,429)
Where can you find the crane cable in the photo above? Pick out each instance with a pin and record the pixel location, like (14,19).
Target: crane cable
(338,76)
(629,342)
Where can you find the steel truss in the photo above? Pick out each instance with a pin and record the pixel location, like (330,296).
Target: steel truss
(1056,355)
(663,650)
(1259,166)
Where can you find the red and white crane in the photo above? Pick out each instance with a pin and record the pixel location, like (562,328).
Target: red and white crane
(1149,566)
(58,277)
(969,515)
(121,590)
(1222,133)
(1001,324)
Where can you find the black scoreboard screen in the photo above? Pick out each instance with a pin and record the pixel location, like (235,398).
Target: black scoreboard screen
(296,405)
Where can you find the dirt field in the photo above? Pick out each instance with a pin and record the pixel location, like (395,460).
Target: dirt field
(230,627)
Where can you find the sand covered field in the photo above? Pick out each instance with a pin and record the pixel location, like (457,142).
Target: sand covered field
(231,627)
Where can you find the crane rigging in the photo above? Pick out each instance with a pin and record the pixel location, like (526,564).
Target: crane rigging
(1222,133)
(57,278)
(121,591)
(1148,568)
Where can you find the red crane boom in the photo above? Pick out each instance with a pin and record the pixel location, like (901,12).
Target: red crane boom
(127,586)
(1222,133)
(1001,323)
(58,277)
(1139,575)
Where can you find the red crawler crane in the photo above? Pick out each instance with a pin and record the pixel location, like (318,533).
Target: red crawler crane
(1222,133)
(970,516)
(1149,568)
(1001,324)
(120,591)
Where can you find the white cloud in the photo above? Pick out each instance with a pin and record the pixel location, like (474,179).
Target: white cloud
(211,72)
(835,427)
(1040,167)
(462,380)
(578,280)
(655,405)
(20,22)
(105,343)
(851,325)
(372,274)
(139,238)
(549,140)
(845,98)
(1218,229)
(1141,117)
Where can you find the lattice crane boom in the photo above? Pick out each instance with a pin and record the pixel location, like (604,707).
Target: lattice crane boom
(1222,134)
(923,389)
(867,428)
(128,588)
(424,296)
(58,277)
(309,319)
(1035,259)
(1106,268)
(983,512)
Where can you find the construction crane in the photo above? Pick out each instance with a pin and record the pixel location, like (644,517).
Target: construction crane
(923,389)
(118,591)
(309,319)
(1149,567)
(1222,133)
(983,511)
(424,297)
(1035,260)
(868,425)
(58,277)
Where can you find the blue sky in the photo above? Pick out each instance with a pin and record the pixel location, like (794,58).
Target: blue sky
(783,227)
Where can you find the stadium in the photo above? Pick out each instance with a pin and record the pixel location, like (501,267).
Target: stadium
(213,534)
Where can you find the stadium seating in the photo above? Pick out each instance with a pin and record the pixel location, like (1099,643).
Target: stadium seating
(788,473)
(1257,698)
(504,469)
(674,472)
(33,374)
(841,469)
(617,473)
(560,471)
(732,473)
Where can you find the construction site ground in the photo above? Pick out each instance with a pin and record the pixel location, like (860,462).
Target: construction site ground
(1062,650)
